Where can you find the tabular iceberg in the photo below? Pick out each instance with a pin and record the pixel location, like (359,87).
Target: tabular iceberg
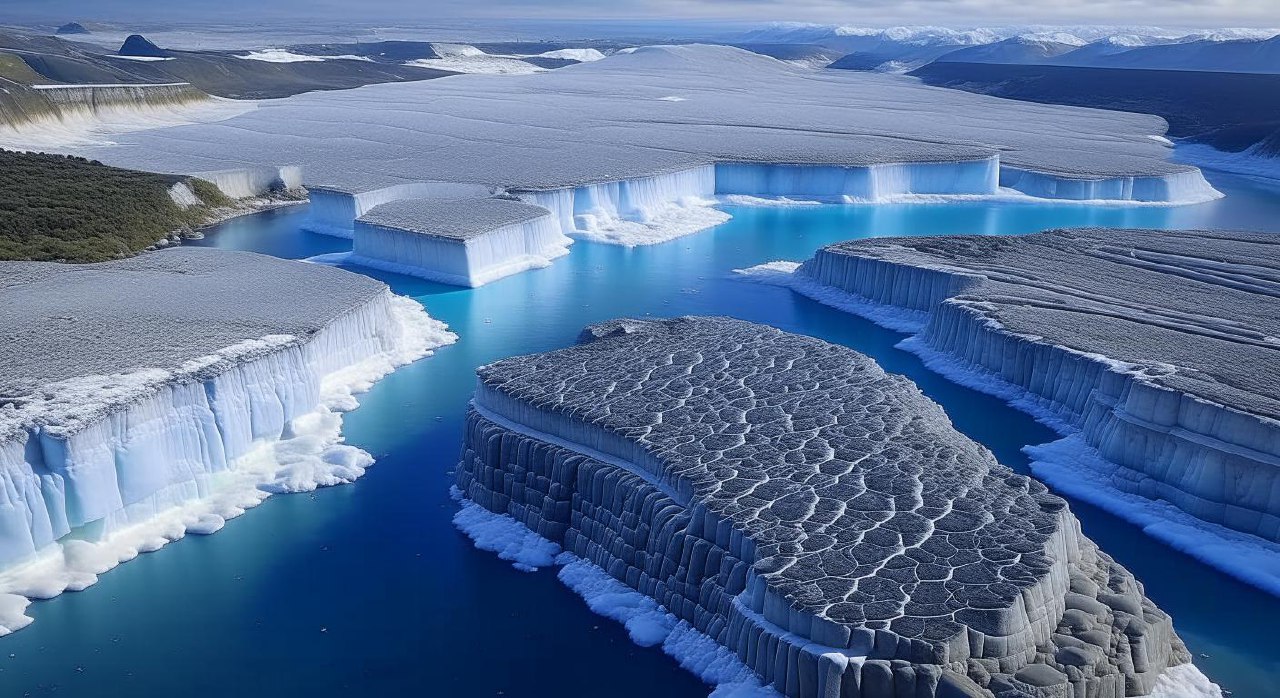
(466,243)
(145,398)
(1153,352)
(817,517)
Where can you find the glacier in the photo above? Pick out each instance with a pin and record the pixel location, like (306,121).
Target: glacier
(715,468)
(1153,353)
(131,414)
(44,117)
(632,148)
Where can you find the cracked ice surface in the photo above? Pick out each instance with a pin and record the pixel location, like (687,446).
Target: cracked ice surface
(677,454)
(1155,353)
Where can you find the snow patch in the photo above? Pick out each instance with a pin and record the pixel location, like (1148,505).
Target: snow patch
(1185,681)
(582,55)
(482,64)
(143,59)
(280,55)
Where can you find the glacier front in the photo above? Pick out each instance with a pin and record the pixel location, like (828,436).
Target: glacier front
(146,398)
(631,149)
(1154,353)
(819,518)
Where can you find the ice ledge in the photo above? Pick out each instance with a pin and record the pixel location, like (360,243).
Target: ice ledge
(173,451)
(423,231)
(1191,457)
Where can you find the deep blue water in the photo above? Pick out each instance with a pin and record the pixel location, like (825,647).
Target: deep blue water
(368,590)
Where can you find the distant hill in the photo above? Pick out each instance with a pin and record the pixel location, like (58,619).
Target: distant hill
(1230,111)
(138,45)
(1018,49)
(1235,56)
(72,28)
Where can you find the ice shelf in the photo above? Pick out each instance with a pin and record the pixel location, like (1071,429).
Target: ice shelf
(148,397)
(618,143)
(1155,353)
(816,516)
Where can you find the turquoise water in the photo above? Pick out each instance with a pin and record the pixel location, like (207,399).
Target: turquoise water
(368,589)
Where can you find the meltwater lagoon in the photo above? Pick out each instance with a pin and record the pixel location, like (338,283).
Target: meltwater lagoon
(371,589)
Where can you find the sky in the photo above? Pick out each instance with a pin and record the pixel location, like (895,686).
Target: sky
(958,13)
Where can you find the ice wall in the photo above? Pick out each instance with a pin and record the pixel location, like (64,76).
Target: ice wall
(473,261)
(1175,188)
(249,182)
(869,183)
(1218,463)
(334,210)
(593,206)
(194,448)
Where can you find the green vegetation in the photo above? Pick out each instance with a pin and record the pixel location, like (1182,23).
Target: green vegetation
(59,208)
(14,69)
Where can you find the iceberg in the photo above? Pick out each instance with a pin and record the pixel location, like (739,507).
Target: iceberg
(815,519)
(1152,352)
(466,242)
(166,393)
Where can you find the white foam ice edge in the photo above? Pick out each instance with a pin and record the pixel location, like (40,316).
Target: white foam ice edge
(1068,465)
(661,223)
(1072,467)
(314,456)
(783,273)
(648,623)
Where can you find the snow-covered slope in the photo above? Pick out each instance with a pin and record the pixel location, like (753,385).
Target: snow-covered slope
(151,397)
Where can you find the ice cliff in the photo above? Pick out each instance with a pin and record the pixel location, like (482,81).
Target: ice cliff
(40,117)
(1153,352)
(786,499)
(150,397)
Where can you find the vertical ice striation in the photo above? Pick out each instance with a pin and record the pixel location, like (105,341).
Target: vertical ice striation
(870,183)
(249,182)
(817,517)
(465,243)
(1152,352)
(97,467)
(1189,186)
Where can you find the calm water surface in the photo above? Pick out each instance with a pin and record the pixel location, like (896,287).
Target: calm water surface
(367,589)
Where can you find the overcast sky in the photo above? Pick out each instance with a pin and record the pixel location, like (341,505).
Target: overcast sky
(961,13)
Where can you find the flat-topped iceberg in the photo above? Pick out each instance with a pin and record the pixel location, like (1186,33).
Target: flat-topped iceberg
(1155,353)
(150,397)
(465,242)
(819,518)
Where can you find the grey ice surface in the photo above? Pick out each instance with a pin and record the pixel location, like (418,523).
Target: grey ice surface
(456,219)
(157,310)
(864,502)
(675,453)
(652,111)
(1205,303)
